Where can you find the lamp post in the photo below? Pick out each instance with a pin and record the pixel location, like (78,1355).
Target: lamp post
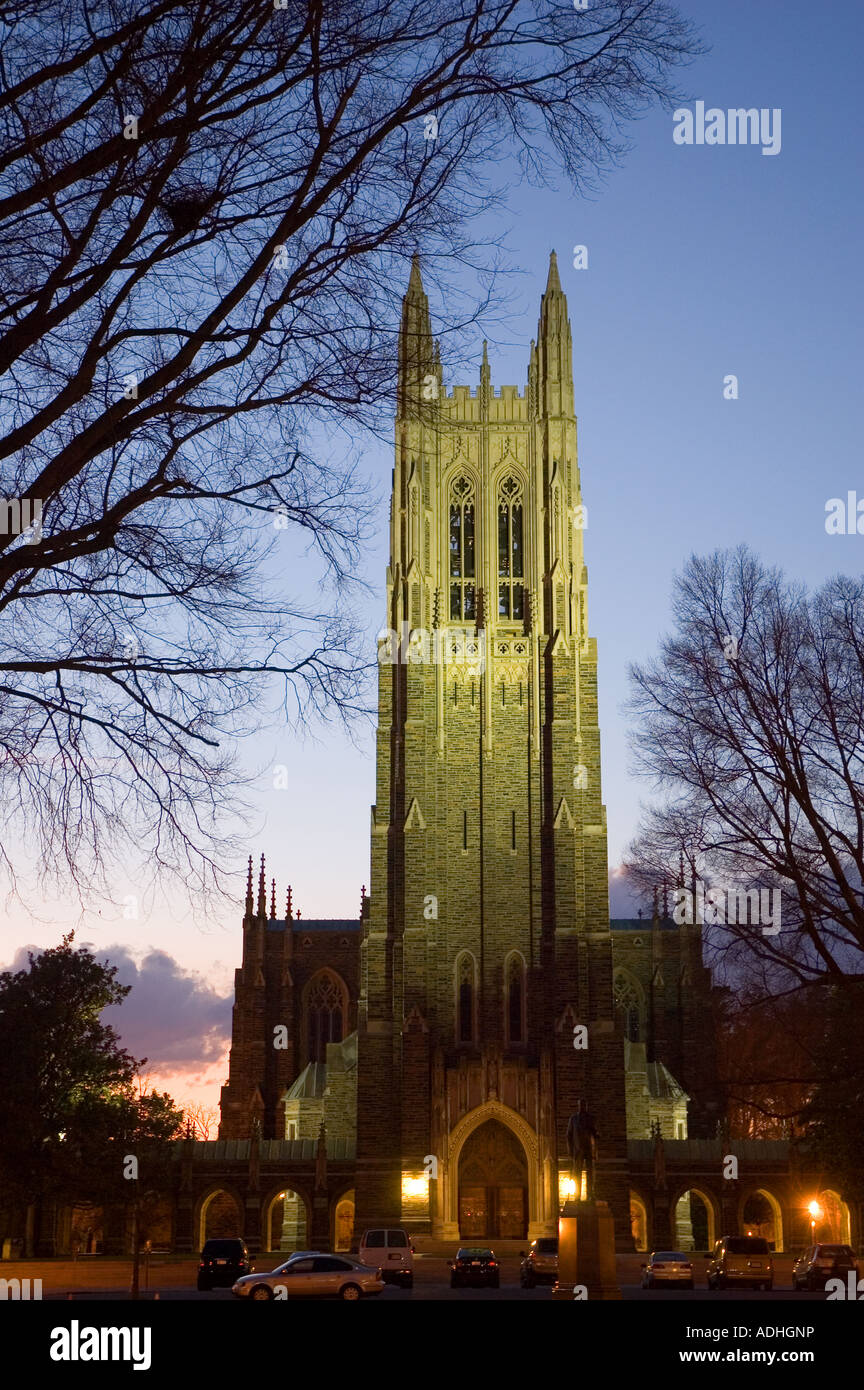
(816,1214)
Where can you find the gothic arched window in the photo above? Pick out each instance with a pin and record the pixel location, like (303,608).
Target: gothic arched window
(511,560)
(630,1001)
(326,1008)
(466,992)
(463,593)
(514,986)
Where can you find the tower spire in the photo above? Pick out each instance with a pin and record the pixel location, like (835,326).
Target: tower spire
(554,349)
(272,900)
(417,359)
(288,913)
(553,280)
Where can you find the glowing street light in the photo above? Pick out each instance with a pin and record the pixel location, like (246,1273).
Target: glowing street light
(816,1214)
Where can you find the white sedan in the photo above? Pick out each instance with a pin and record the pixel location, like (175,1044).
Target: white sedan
(667,1267)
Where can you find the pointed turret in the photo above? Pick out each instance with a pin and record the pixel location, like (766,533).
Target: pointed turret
(262,893)
(418,368)
(554,349)
(485,382)
(250,901)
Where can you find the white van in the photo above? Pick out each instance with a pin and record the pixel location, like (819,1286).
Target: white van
(392,1250)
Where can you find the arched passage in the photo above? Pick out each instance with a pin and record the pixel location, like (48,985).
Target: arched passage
(343,1221)
(639,1222)
(493,1185)
(220,1214)
(286,1222)
(761,1216)
(835,1224)
(694,1225)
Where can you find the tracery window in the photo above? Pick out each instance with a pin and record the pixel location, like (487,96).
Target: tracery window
(325,1014)
(463,593)
(511,562)
(628,998)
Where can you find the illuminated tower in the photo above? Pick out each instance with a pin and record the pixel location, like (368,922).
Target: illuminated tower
(487,950)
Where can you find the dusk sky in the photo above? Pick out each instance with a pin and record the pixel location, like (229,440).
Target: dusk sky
(703,262)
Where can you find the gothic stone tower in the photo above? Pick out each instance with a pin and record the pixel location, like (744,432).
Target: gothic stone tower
(486,959)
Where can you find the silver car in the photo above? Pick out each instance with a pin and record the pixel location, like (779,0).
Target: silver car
(668,1267)
(312,1274)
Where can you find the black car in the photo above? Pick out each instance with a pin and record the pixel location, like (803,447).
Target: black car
(475,1265)
(222,1263)
(819,1263)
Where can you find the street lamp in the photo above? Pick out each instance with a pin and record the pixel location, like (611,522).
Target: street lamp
(816,1214)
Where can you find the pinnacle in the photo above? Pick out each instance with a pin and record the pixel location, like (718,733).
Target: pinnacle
(554,280)
(415,280)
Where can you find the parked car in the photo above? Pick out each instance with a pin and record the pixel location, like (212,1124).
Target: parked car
(819,1263)
(741,1260)
(540,1264)
(474,1264)
(667,1267)
(312,1274)
(390,1248)
(221,1262)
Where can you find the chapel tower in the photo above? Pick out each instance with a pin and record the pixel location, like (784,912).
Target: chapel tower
(486,960)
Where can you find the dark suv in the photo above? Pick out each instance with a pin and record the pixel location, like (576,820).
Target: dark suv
(222,1263)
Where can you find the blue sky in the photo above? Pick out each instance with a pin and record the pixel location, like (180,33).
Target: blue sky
(702,262)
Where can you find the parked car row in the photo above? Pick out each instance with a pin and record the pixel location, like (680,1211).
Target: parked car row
(386,1256)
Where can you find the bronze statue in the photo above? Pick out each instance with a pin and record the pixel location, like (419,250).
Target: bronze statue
(582,1147)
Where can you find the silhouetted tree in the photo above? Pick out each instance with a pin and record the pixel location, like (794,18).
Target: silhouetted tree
(206,212)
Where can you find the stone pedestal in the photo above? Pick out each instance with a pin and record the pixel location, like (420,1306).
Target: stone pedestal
(586,1251)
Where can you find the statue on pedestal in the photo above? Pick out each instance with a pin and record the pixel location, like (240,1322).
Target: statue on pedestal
(582,1147)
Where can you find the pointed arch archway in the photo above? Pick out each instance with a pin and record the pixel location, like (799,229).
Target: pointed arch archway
(760,1214)
(835,1224)
(220,1214)
(538,1220)
(695,1219)
(286,1220)
(639,1222)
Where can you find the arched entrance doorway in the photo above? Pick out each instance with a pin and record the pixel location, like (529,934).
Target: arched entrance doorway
(285,1222)
(638,1222)
(493,1185)
(761,1216)
(834,1224)
(220,1215)
(343,1222)
(693,1226)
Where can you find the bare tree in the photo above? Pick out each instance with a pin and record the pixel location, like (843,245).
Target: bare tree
(201,1120)
(751,722)
(206,212)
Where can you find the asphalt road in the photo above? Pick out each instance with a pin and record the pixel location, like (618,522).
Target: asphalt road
(432,1283)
